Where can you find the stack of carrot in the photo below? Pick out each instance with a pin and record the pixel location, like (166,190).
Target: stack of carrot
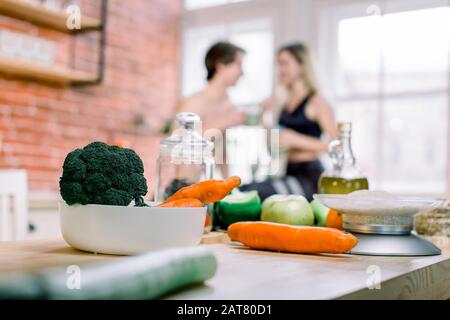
(201,193)
(288,238)
(263,235)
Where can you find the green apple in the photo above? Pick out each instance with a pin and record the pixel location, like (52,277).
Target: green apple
(287,209)
(320,213)
(271,200)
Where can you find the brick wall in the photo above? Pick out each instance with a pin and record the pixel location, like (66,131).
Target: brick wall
(40,123)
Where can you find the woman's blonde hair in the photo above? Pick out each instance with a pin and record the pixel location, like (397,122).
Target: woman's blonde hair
(302,55)
(281,93)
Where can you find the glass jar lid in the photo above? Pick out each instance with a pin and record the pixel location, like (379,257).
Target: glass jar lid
(185,143)
(345,129)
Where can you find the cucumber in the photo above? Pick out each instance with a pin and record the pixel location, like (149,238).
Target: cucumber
(148,276)
(238,206)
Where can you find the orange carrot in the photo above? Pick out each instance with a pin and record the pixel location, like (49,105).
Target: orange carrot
(288,238)
(207,191)
(182,203)
(207,220)
(334,220)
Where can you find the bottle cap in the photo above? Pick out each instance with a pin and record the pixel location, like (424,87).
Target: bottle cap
(187,120)
(185,143)
(345,127)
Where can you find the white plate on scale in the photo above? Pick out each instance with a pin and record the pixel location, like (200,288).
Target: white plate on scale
(383,222)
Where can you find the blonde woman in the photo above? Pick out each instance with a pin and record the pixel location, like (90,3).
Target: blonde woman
(306,121)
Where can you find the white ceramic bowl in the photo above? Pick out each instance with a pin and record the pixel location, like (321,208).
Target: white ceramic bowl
(130,230)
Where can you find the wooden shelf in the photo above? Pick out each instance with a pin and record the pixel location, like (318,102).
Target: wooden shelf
(40,15)
(42,72)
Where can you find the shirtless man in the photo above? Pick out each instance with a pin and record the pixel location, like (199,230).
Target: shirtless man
(223,63)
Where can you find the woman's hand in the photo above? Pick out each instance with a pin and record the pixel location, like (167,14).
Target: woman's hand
(287,138)
(290,139)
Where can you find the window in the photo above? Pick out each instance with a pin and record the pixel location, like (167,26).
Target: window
(254,35)
(389,76)
(412,48)
(386,66)
(257,39)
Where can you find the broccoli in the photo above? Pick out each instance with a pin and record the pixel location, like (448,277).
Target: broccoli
(102,174)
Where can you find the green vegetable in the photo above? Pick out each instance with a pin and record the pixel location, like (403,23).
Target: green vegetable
(238,206)
(102,174)
(320,213)
(287,209)
(142,277)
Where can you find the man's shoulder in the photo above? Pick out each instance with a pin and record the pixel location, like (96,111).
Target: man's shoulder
(194,102)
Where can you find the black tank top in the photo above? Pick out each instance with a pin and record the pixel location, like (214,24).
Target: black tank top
(298,121)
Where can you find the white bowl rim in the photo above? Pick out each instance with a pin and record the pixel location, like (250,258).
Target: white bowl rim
(152,205)
(438,201)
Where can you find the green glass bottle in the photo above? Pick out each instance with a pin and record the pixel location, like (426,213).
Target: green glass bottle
(344,177)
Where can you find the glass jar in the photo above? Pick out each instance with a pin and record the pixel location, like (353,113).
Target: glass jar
(185,157)
(344,176)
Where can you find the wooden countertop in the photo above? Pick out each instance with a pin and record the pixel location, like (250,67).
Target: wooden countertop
(249,274)
(28,255)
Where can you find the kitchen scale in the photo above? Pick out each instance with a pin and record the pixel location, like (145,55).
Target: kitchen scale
(383,223)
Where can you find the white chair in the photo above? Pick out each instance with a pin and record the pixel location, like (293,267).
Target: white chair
(13,205)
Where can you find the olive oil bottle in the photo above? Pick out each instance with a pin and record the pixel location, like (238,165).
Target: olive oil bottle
(344,177)
(334,185)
